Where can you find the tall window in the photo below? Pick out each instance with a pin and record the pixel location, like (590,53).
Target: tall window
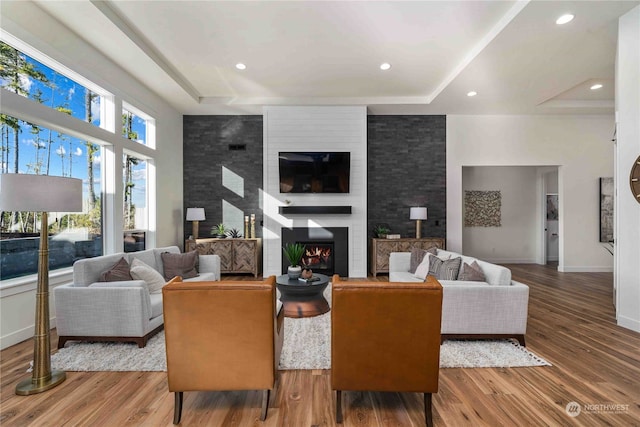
(43,148)
(33,149)
(135,213)
(73,236)
(136,126)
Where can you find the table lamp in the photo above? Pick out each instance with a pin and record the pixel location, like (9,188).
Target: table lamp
(40,193)
(195,215)
(418,214)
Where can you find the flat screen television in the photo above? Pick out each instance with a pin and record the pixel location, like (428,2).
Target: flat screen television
(314,172)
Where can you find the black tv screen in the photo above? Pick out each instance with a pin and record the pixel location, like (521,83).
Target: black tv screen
(314,172)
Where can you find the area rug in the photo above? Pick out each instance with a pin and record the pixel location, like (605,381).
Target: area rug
(307,345)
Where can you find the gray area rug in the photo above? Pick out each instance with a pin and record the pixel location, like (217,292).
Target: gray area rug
(307,345)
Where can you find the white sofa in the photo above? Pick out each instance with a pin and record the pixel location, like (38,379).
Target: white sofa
(496,308)
(116,311)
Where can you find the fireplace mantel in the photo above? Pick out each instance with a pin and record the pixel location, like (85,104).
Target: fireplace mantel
(322,210)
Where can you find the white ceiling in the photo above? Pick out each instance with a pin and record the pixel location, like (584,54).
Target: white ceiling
(328,53)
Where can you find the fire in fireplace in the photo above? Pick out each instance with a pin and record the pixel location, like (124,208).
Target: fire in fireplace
(318,256)
(327,248)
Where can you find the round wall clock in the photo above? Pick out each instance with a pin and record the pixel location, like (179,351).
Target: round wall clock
(634,179)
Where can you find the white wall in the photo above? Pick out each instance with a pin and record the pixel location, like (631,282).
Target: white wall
(581,147)
(515,240)
(551,182)
(30,24)
(315,129)
(627,210)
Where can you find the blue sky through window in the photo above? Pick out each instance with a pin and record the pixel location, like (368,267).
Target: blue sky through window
(44,151)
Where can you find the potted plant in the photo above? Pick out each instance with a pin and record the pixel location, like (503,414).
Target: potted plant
(293,252)
(234,233)
(220,231)
(381,231)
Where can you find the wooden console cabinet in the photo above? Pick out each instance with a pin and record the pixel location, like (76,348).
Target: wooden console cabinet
(381,248)
(236,255)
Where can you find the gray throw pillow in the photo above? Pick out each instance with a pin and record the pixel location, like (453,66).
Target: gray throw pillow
(471,272)
(117,273)
(444,270)
(183,265)
(417,256)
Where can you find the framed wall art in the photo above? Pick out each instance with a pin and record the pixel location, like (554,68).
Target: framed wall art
(482,208)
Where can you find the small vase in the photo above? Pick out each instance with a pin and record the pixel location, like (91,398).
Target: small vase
(294,272)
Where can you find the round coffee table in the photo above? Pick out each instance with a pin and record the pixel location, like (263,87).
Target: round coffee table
(302,299)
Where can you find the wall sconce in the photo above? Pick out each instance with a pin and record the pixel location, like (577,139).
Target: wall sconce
(195,215)
(418,214)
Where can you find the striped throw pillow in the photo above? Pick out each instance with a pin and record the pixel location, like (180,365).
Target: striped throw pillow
(418,255)
(444,269)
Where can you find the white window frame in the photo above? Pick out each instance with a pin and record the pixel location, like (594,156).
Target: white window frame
(150,125)
(108,135)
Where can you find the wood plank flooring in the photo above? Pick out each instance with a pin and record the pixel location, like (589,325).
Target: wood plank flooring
(571,324)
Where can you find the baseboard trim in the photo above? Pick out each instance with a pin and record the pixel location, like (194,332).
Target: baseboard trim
(585,269)
(510,260)
(629,323)
(20,335)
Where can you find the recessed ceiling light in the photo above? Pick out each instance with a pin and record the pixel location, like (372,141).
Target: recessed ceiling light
(596,86)
(564,19)
(241,66)
(472,93)
(385,66)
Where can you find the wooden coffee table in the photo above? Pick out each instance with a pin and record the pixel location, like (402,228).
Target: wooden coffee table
(302,299)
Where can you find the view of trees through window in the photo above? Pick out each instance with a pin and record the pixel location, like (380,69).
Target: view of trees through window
(134,179)
(135,193)
(32,149)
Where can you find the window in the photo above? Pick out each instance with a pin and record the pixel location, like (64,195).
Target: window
(53,145)
(33,149)
(42,151)
(135,215)
(21,74)
(137,126)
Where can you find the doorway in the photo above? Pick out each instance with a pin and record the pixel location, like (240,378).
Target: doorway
(550,216)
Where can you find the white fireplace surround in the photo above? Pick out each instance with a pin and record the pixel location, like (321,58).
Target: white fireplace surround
(315,129)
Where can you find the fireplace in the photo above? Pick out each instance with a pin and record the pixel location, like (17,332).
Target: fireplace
(326,248)
(318,256)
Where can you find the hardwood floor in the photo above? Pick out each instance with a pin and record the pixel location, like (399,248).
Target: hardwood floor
(571,324)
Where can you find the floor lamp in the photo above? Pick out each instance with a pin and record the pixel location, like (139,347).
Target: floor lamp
(40,193)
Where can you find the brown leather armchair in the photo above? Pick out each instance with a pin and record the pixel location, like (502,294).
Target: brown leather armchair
(223,335)
(385,336)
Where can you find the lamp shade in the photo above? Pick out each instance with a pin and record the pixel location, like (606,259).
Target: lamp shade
(418,213)
(39,193)
(195,214)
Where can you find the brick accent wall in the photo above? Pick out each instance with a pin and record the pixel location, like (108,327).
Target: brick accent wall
(407,167)
(206,152)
